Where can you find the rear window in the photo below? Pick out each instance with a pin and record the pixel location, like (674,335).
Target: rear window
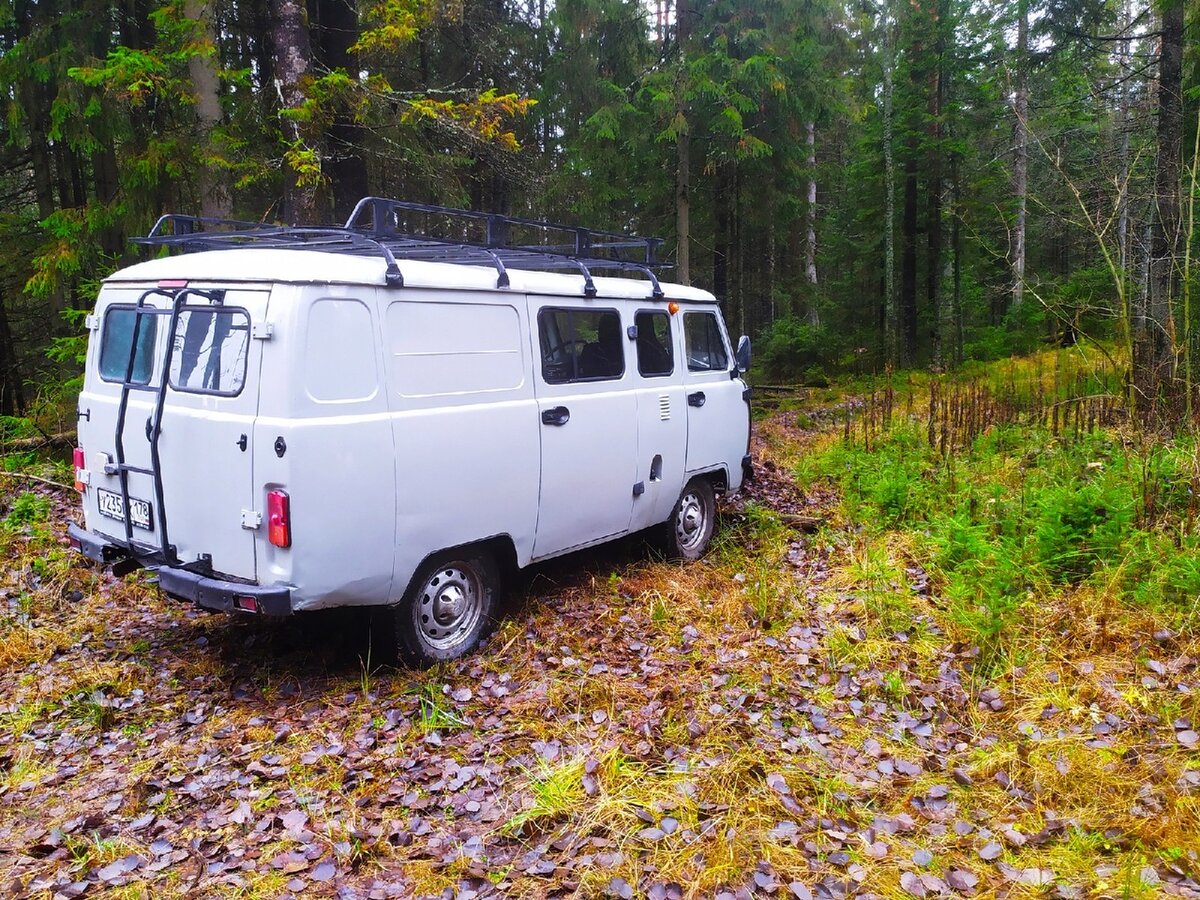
(116,340)
(210,351)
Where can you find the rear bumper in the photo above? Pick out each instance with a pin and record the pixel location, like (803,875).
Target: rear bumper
(208,591)
(225,596)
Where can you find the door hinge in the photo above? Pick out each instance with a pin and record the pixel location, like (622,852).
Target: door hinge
(262,331)
(92,322)
(251,519)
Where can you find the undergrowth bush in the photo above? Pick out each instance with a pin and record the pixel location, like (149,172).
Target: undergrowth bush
(792,349)
(27,509)
(1020,515)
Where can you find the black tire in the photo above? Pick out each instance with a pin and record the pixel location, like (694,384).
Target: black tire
(686,534)
(450,607)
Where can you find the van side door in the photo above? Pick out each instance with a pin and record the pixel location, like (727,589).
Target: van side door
(587,415)
(716,409)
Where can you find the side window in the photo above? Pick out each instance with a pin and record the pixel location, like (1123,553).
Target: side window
(115,345)
(210,351)
(702,340)
(655,352)
(580,345)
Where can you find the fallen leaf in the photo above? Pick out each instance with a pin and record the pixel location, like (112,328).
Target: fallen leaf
(961,879)
(913,885)
(991,851)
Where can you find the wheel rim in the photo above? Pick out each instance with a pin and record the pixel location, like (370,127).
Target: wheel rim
(448,607)
(690,521)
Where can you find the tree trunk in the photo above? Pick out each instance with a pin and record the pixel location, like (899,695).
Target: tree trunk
(1123,137)
(264,52)
(889,191)
(908,271)
(12,394)
(810,212)
(1164,241)
(738,255)
(956,241)
(293,66)
(215,198)
(768,262)
(1020,152)
(933,260)
(722,197)
(683,151)
(347,170)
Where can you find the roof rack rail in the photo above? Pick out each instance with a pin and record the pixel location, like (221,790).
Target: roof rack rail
(397,229)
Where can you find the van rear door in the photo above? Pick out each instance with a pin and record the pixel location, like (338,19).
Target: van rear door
(208,502)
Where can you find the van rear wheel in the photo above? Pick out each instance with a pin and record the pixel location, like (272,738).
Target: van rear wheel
(448,610)
(687,533)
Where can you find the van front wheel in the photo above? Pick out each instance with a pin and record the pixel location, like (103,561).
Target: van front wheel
(690,528)
(449,609)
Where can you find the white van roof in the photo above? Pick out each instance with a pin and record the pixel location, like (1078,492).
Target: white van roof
(264,265)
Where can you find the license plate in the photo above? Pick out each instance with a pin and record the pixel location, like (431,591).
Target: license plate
(113,506)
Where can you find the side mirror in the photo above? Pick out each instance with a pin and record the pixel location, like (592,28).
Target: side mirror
(742,357)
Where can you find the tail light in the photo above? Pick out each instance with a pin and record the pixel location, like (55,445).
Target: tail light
(78,462)
(279,519)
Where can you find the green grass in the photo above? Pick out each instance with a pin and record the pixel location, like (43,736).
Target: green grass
(1018,516)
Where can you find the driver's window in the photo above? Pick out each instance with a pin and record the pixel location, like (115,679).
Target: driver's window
(702,340)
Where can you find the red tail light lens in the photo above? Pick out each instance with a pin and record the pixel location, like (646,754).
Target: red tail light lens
(247,604)
(78,462)
(279,519)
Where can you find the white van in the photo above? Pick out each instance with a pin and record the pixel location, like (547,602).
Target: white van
(280,420)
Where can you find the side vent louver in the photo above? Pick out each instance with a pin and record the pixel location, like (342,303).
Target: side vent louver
(664,408)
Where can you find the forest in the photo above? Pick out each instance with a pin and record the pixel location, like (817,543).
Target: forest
(863,184)
(945,643)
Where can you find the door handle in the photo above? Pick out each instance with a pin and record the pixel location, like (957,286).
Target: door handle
(696,398)
(559,415)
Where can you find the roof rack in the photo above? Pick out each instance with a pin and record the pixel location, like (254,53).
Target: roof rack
(397,229)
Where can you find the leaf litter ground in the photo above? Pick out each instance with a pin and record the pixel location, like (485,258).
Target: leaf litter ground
(743,727)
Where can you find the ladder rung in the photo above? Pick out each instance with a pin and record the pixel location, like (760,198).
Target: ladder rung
(135,386)
(126,467)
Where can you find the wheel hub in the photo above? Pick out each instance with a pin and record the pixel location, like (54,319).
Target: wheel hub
(449,606)
(689,524)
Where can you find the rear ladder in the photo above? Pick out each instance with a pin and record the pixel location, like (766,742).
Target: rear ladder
(166,554)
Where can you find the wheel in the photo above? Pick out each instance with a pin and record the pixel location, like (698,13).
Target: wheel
(448,610)
(687,533)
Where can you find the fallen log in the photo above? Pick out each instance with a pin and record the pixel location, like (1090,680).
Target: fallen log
(778,388)
(63,440)
(37,479)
